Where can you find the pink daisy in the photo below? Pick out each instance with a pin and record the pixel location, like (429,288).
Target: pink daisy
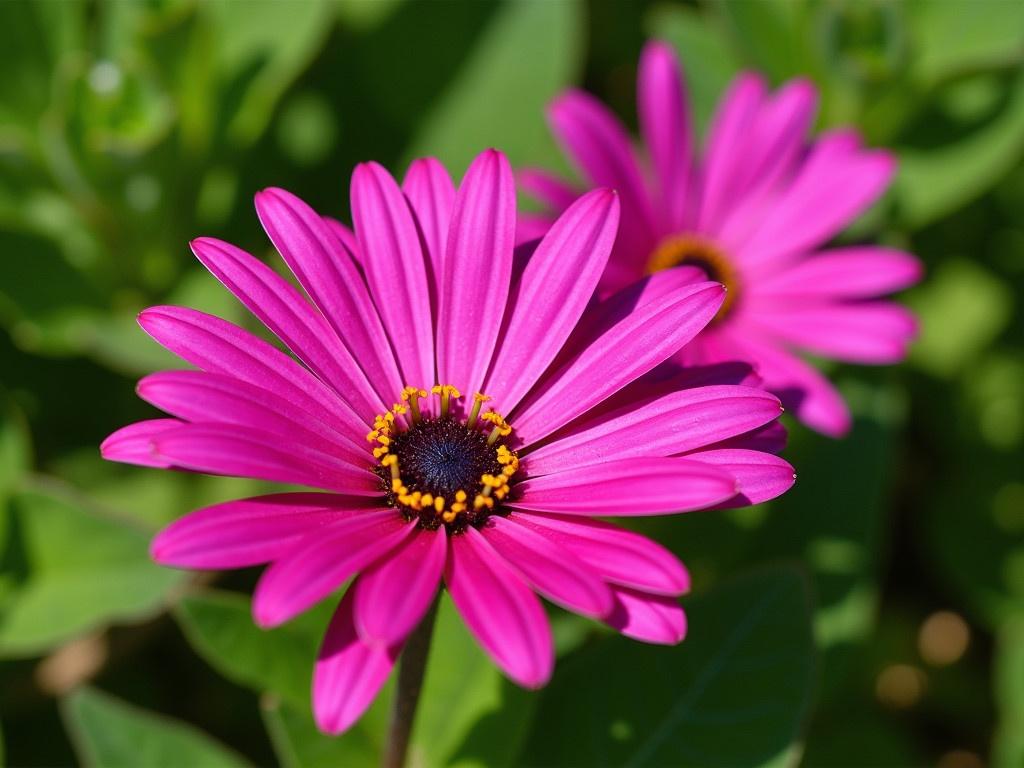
(753,210)
(431,481)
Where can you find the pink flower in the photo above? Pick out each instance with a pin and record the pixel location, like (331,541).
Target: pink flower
(753,210)
(440,485)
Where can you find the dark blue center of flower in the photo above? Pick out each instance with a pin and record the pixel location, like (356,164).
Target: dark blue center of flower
(443,456)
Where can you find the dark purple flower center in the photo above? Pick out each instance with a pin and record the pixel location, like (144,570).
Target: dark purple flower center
(690,250)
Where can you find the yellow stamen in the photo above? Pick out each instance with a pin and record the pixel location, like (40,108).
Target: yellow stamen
(478,400)
(439,504)
(412,396)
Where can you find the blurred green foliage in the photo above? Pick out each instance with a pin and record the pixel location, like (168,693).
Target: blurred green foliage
(127,128)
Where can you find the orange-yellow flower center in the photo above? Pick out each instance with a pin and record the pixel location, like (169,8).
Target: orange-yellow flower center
(440,468)
(678,250)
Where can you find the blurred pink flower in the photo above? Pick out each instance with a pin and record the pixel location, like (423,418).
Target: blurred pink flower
(428,288)
(752,210)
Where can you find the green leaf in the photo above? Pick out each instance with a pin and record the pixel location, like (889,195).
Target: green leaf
(525,57)
(771,35)
(65,570)
(1008,743)
(298,743)
(15,450)
(111,733)
(219,626)
(734,693)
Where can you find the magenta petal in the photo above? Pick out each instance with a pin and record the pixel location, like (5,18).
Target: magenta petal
(291,318)
(649,618)
(323,561)
(396,592)
(217,346)
(346,237)
(665,125)
(431,194)
(760,476)
(552,570)
(329,275)
(503,614)
(617,555)
(556,194)
(856,272)
(626,350)
(134,444)
(198,396)
(226,449)
(349,673)
(395,270)
(556,285)
(674,423)
(477,270)
(643,486)
(771,438)
(245,532)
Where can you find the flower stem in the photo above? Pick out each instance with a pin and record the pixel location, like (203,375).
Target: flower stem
(411,667)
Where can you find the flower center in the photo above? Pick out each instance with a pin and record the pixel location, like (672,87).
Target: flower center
(677,250)
(443,469)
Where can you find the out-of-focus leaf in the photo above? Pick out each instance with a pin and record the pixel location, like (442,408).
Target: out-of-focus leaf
(219,626)
(65,570)
(111,733)
(707,56)
(962,308)
(952,36)
(363,15)
(1008,744)
(771,33)
(15,450)
(734,693)
(529,52)
(298,743)
(935,181)
(263,45)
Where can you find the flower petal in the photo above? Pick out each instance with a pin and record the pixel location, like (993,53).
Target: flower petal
(760,476)
(555,193)
(253,531)
(134,444)
(431,194)
(226,449)
(503,614)
(349,673)
(396,592)
(555,288)
(284,311)
(856,272)
(329,275)
(554,572)
(672,424)
(648,618)
(323,561)
(477,271)
(643,486)
(618,555)
(395,270)
(622,351)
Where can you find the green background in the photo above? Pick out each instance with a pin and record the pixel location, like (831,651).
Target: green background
(127,128)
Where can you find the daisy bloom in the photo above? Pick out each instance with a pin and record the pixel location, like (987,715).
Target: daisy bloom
(752,210)
(465,416)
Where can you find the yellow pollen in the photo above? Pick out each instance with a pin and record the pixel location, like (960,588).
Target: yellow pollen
(678,250)
(478,400)
(447,392)
(412,396)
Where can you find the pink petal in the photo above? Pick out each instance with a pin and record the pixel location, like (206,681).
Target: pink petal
(674,423)
(395,269)
(648,618)
(628,487)
(618,555)
(322,562)
(760,476)
(225,449)
(503,614)
(554,572)
(431,194)
(477,271)
(619,354)
(349,673)
(134,444)
(329,275)
(729,148)
(347,238)
(395,592)
(600,146)
(245,532)
(874,333)
(220,347)
(530,228)
(199,396)
(665,125)
(554,290)
(856,272)
(291,318)
(555,193)
(770,438)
